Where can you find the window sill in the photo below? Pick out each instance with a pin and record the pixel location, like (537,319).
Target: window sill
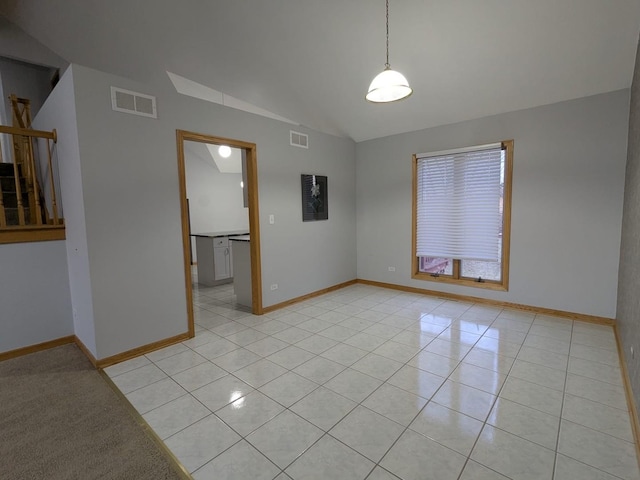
(486,284)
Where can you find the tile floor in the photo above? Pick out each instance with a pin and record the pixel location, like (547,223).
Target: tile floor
(372,383)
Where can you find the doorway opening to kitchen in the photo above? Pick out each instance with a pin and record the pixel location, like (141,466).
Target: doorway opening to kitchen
(229,248)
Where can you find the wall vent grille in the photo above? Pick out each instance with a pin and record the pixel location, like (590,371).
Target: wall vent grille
(298,139)
(136,103)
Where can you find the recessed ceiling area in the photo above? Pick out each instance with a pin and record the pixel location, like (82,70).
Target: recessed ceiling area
(230,164)
(311,62)
(209,154)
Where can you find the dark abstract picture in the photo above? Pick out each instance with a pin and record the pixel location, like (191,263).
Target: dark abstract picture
(314,198)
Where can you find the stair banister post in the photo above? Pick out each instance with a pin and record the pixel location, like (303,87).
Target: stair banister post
(16,175)
(54,203)
(36,213)
(3,218)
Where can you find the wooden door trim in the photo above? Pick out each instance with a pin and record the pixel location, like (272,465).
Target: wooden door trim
(254,217)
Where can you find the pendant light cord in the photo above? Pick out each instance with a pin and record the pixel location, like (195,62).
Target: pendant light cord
(387,64)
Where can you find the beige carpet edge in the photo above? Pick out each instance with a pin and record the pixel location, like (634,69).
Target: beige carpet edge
(179,467)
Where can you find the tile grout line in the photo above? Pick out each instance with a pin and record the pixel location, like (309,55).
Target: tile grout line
(360,404)
(368,352)
(564,389)
(429,400)
(497,396)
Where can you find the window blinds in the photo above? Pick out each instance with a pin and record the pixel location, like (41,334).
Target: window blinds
(458,203)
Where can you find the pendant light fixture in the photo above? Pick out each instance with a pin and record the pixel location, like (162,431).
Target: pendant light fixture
(224,151)
(388,86)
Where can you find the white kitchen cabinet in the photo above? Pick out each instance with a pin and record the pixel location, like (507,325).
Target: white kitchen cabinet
(222,266)
(215,258)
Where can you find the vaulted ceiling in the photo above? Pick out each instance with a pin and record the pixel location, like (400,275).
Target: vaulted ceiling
(312,60)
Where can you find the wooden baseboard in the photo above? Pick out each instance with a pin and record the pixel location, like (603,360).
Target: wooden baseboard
(18,352)
(102,363)
(85,350)
(136,352)
(497,303)
(302,298)
(631,403)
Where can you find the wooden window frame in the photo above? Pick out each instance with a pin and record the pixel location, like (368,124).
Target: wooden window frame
(455,277)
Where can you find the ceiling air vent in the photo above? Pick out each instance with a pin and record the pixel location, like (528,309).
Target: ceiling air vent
(136,103)
(298,139)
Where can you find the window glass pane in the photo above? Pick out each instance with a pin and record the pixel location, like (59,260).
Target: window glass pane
(442,266)
(477,268)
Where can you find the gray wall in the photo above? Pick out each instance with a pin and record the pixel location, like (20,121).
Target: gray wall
(629,279)
(131,201)
(16,44)
(25,81)
(59,112)
(36,306)
(568,180)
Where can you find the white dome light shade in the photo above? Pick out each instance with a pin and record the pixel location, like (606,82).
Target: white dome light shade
(388,86)
(224,151)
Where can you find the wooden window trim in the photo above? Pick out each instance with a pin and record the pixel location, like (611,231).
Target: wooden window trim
(502,285)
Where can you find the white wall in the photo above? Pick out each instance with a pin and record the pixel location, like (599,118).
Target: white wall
(131,200)
(36,306)
(59,112)
(568,183)
(215,198)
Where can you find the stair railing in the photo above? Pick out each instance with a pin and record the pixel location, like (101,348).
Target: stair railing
(21,108)
(54,202)
(24,166)
(3,218)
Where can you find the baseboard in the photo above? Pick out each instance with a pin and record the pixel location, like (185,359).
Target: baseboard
(85,350)
(631,403)
(302,298)
(18,352)
(136,352)
(497,303)
(102,363)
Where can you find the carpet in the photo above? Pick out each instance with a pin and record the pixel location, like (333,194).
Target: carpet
(60,419)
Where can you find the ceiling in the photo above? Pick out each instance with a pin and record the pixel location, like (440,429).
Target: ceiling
(311,61)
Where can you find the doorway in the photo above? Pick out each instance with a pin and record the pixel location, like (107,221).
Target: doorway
(251,186)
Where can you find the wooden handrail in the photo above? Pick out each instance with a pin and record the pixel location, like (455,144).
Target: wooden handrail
(28,132)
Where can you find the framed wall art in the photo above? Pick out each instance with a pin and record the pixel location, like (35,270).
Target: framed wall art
(314,198)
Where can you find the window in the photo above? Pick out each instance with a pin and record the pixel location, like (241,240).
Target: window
(462,215)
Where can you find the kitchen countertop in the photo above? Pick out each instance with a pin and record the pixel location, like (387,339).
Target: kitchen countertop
(221,234)
(241,238)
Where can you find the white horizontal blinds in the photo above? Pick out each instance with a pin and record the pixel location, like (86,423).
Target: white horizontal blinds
(458,204)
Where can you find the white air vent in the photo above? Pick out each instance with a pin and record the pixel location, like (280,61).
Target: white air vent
(298,139)
(133,102)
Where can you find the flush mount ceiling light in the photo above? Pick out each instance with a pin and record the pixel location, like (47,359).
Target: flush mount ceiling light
(224,151)
(388,86)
